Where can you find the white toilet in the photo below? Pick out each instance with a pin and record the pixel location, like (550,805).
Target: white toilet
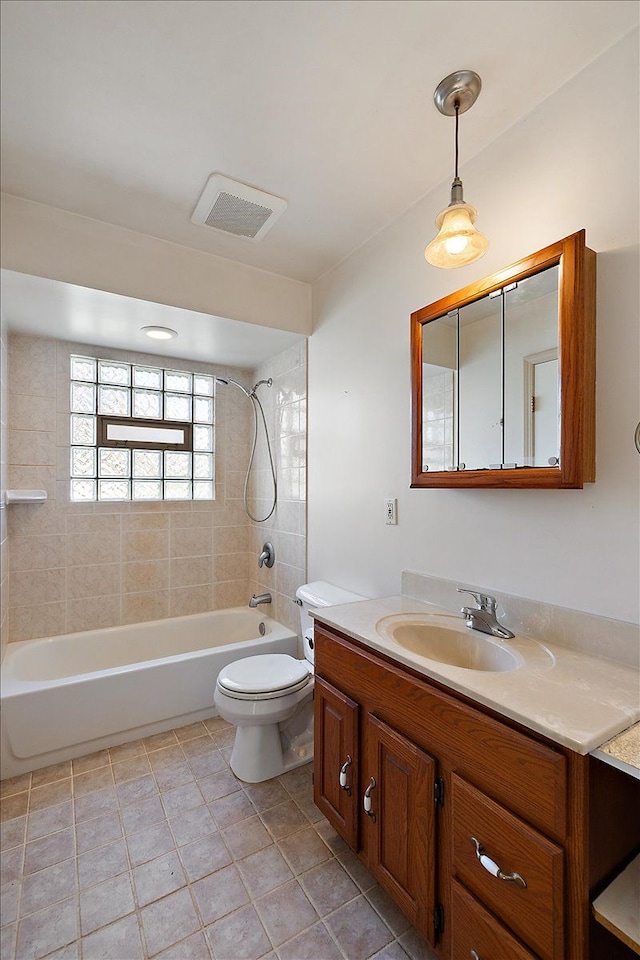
(270,698)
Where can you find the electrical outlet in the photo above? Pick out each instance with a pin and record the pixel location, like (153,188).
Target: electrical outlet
(391,511)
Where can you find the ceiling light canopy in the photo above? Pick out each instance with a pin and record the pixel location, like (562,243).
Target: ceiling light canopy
(159,333)
(458,242)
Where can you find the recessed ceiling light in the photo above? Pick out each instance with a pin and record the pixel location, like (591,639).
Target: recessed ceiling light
(160,333)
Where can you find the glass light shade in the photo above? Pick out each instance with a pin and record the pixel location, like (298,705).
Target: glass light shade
(458,241)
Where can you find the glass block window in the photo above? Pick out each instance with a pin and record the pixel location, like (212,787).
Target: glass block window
(140,433)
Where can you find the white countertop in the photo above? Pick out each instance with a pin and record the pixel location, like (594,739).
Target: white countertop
(573,698)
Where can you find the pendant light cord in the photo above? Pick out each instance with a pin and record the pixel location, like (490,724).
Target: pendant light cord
(457,107)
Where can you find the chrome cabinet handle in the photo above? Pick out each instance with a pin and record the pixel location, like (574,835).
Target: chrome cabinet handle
(366,800)
(343,775)
(474,955)
(492,867)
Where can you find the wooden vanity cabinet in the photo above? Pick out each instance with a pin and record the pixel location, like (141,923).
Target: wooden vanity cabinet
(437,771)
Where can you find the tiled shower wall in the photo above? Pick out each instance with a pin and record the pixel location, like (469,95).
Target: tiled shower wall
(77,566)
(285,407)
(4,536)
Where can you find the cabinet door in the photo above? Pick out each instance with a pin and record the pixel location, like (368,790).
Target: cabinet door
(401,821)
(335,780)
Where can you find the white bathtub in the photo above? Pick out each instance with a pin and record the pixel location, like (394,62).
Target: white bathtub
(64,697)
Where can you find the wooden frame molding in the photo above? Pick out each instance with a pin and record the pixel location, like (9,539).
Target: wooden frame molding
(577,354)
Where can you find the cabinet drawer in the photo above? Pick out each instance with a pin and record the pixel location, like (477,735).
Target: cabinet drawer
(474,929)
(535,912)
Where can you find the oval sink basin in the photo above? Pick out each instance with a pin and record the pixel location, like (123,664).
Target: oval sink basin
(446,642)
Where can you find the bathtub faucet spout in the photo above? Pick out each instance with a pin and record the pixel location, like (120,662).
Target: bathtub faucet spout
(261,598)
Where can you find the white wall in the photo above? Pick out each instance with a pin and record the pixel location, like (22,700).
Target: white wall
(572,163)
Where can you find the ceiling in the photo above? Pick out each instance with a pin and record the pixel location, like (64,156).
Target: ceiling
(120,110)
(37,306)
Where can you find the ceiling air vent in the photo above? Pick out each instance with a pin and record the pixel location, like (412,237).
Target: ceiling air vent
(235,208)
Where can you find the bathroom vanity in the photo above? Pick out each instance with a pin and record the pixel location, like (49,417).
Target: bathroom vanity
(491,835)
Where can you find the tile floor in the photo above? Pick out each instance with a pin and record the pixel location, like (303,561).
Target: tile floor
(155,849)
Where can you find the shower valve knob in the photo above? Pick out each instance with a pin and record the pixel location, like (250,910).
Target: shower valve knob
(268,555)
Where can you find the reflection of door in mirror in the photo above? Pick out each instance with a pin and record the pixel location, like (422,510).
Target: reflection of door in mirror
(439,353)
(480,372)
(541,409)
(531,336)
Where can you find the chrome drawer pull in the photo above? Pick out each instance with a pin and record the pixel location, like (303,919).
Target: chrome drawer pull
(474,955)
(366,800)
(493,867)
(343,775)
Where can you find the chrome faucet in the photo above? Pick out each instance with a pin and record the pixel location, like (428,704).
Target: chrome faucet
(483,617)
(261,598)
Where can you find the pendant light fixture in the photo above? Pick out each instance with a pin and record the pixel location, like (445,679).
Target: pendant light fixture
(458,242)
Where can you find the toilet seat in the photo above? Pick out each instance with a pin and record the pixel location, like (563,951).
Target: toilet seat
(264,677)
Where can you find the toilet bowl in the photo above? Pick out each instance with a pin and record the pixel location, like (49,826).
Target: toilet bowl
(269,698)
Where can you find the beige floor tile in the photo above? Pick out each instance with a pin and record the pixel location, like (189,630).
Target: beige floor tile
(41,823)
(231,809)
(150,843)
(390,913)
(157,878)
(171,777)
(90,762)
(264,871)
(358,929)
(246,837)
(220,894)
(127,751)
(286,912)
(106,902)
(393,951)
(284,819)
(328,886)
(356,870)
(50,794)
(70,952)
(182,798)
(13,806)
(9,899)
(131,769)
(160,740)
(297,780)
(91,781)
(416,947)
(15,785)
(102,864)
(192,825)
(117,940)
(49,850)
(133,791)
(58,771)
(48,886)
(219,785)
(166,758)
(193,948)
(304,850)
(265,795)
(97,832)
(47,930)
(137,816)
(310,945)
(239,936)
(204,857)
(168,921)
(11,865)
(12,833)
(191,731)
(8,941)
(95,804)
(207,763)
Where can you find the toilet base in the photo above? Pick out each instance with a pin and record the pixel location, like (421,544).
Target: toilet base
(263,752)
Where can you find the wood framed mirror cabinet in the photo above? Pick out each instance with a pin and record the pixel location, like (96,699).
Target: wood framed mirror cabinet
(503,377)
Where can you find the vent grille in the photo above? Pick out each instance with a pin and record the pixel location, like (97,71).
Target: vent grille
(237,209)
(235,215)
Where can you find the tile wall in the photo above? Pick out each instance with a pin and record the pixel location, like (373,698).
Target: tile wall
(285,407)
(84,566)
(4,536)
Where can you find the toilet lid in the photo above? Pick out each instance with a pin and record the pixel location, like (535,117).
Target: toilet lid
(266,673)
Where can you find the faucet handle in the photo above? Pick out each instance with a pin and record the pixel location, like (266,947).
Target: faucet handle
(484,601)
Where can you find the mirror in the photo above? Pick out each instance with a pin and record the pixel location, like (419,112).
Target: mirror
(493,367)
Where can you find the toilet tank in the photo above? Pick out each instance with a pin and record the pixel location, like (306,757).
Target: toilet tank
(320,594)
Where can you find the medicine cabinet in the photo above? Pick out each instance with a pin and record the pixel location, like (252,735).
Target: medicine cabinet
(503,377)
